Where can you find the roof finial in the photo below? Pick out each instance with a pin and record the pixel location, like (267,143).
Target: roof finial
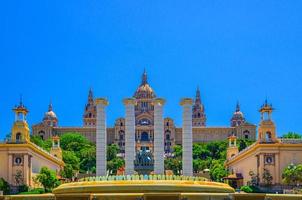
(50,105)
(90,94)
(144,77)
(237,106)
(197,92)
(21,101)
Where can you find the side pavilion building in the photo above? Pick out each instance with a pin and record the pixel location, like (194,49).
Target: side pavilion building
(268,154)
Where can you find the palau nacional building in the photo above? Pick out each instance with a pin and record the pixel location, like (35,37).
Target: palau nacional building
(145,137)
(144,123)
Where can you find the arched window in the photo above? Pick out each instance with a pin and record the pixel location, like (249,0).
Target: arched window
(18,137)
(121,135)
(145,136)
(268,136)
(198,114)
(41,134)
(246,134)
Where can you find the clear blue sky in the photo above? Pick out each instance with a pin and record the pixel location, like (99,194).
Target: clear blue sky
(234,50)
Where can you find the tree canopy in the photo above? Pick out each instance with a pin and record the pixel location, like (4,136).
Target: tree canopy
(292,135)
(48,179)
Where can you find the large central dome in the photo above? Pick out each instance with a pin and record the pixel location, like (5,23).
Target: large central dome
(144,91)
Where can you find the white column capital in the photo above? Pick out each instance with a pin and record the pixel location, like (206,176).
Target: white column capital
(101,101)
(129,101)
(186,101)
(159,101)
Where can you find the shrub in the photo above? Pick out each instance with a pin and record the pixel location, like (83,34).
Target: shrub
(23,188)
(4,186)
(246,189)
(34,191)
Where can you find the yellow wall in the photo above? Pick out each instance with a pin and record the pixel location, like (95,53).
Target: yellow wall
(285,154)
(38,160)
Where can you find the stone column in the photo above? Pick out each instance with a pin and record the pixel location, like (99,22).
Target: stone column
(129,136)
(278,175)
(159,146)
(101,137)
(25,170)
(10,169)
(261,167)
(187,157)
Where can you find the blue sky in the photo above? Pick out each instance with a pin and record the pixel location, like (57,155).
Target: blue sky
(234,50)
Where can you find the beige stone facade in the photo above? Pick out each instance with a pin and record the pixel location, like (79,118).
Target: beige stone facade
(20,159)
(267,153)
(144,123)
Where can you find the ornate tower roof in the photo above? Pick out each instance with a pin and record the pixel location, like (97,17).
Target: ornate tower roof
(50,117)
(20,129)
(144,91)
(237,118)
(199,116)
(267,128)
(89,116)
(20,108)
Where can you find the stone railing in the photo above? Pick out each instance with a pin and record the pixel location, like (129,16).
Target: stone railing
(33,144)
(143,177)
(43,150)
(243,151)
(290,141)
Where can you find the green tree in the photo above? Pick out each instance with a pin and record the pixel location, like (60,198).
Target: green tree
(201,164)
(292,135)
(88,159)
(217,170)
(200,151)
(114,164)
(72,164)
(243,143)
(217,149)
(74,142)
(174,164)
(68,171)
(177,151)
(112,151)
(48,179)
(292,174)
(45,144)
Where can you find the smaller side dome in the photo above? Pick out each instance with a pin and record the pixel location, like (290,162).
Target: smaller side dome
(50,114)
(50,117)
(238,117)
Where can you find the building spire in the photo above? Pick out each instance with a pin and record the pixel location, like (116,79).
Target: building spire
(90,94)
(50,106)
(197,98)
(144,78)
(21,101)
(237,107)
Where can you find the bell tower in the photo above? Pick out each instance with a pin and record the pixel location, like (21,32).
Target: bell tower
(267,128)
(56,149)
(232,149)
(20,130)
(89,116)
(199,117)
